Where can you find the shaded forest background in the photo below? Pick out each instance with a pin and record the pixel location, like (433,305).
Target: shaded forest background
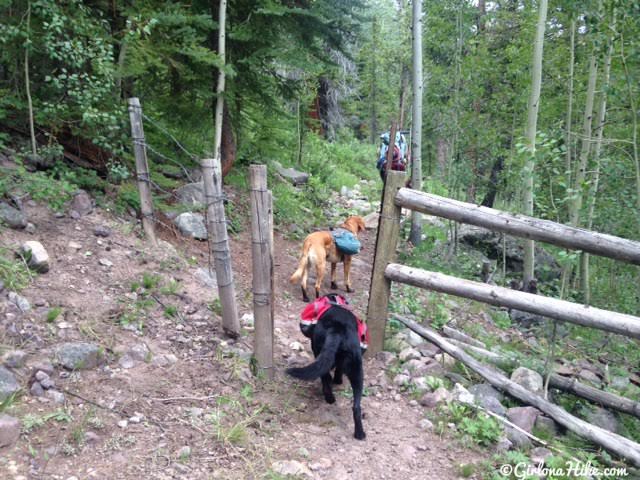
(312,84)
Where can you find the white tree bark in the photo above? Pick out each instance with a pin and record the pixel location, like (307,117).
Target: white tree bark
(216,221)
(416,129)
(532,125)
(27,84)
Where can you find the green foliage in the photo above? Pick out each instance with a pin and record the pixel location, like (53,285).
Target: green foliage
(484,430)
(53,314)
(14,273)
(31,421)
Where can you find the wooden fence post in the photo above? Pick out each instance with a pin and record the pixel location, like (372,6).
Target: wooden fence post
(386,242)
(219,244)
(261,243)
(142,169)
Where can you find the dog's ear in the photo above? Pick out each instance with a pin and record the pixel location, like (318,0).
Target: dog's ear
(361,226)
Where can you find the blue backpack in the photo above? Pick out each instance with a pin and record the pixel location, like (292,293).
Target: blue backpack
(346,242)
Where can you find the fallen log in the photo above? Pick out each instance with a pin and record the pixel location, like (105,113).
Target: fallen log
(463,337)
(607,399)
(492,357)
(572,385)
(623,324)
(613,442)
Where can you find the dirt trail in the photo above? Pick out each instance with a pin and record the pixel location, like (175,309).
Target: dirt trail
(218,421)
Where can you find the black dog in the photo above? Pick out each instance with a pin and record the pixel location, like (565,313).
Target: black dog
(335,341)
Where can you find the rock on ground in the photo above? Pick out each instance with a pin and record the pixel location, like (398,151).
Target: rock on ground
(8,384)
(82,203)
(291,174)
(291,467)
(488,397)
(14,359)
(38,258)
(78,356)
(528,379)
(430,400)
(191,225)
(19,301)
(603,418)
(191,194)
(9,430)
(13,217)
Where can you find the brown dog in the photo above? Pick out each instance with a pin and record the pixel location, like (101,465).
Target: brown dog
(317,249)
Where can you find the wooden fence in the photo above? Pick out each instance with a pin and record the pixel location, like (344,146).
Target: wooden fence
(385,271)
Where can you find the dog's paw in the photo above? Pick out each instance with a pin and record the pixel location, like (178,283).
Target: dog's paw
(330,398)
(360,435)
(334,286)
(350,290)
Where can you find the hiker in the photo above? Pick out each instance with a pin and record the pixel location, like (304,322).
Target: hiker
(399,160)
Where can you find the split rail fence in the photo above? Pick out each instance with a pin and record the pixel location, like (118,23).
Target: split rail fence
(385,271)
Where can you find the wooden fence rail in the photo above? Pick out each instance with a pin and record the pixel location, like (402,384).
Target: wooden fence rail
(385,272)
(621,323)
(521,226)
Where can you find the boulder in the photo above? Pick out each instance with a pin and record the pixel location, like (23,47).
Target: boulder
(603,418)
(409,353)
(292,175)
(523,417)
(546,425)
(9,430)
(78,355)
(206,277)
(462,395)
(8,384)
(12,217)
(431,400)
(528,379)
(81,203)
(371,220)
(488,397)
(191,225)
(191,194)
(38,258)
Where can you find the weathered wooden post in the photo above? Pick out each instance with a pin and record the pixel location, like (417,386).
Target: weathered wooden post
(142,169)
(261,246)
(386,242)
(219,244)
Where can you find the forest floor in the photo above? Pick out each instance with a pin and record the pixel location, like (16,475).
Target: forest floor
(173,397)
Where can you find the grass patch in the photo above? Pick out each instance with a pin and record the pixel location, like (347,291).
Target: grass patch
(14,273)
(53,314)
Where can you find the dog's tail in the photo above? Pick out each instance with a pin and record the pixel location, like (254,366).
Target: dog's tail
(323,363)
(302,266)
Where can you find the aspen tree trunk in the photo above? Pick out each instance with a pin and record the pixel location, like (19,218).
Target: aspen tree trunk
(373,107)
(415,236)
(576,203)
(593,190)
(634,116)
(27,83)
(568,121)
(216,221)
(532,122)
